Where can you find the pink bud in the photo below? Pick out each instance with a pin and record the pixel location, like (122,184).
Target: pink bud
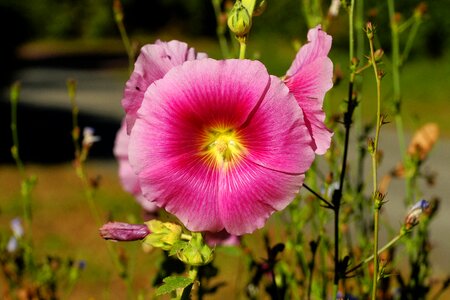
(118,231)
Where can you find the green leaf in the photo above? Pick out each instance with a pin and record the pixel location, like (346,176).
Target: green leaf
(172,283)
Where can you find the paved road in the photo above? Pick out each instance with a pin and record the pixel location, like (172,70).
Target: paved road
(100,92)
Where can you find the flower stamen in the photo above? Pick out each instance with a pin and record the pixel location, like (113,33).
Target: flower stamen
(222,146)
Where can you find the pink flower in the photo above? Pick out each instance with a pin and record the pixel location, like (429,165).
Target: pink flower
(309,78)
(220,144)
(221,238)
(128,178)
(152,64)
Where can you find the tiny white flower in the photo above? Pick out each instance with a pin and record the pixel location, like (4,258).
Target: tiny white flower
(88,137)
(12,245)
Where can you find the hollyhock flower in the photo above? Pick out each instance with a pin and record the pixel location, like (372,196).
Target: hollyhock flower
(220,144)
(154,61)
(128,178)
(309,78)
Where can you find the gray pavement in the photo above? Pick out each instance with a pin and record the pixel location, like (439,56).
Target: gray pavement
(100,92)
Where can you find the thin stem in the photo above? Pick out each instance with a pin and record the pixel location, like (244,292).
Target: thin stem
(395,41)
(26,183)
(242,47)
(321,198)
(381,250)
(410,40)
(118,17)
(221,29)
(312,267)
(377,198)
(337,195)
(81,154)
(193,273)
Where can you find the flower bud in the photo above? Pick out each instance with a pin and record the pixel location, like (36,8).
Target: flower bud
(118,11)
(196,253)
(239,20)
(370,29)
(118,231)
(413,215)
(420,10)
(163,234)
(378,54)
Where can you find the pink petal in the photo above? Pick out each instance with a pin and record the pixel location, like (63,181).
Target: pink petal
(221,238)
(309,86)
(276,136)
(319,44)
(128,178)
(251,193)
(154,61)
(309,78)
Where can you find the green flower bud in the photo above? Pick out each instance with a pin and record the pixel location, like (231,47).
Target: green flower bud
(196,253)
(239,20)
(163,234)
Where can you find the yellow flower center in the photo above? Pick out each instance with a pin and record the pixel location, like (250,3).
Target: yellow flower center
(222,146)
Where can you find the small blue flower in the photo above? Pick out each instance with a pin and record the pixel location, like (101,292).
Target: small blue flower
(412,217)
(82,264)
(16,227)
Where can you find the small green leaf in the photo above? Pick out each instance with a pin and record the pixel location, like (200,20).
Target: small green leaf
(172,283)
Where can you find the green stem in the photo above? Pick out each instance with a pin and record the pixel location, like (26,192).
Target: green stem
(81,155)
(220,30)
(193,272)
(410,41)
(26,183)
(381,250)
(395,41)
(117,7)
(242,47)
(376,197)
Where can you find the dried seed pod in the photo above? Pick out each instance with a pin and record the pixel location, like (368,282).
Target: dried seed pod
(424,140)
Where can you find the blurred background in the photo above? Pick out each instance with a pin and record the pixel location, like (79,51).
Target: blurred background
(46,42)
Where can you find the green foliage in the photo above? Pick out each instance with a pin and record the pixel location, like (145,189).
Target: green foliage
(172,283)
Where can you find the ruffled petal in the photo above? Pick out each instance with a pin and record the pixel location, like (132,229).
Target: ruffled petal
(128,178)
(319,44)
(309,86)
(153,63)
(250,193)
(276,136)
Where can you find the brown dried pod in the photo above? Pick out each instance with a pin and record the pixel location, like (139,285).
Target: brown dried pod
(424,140)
